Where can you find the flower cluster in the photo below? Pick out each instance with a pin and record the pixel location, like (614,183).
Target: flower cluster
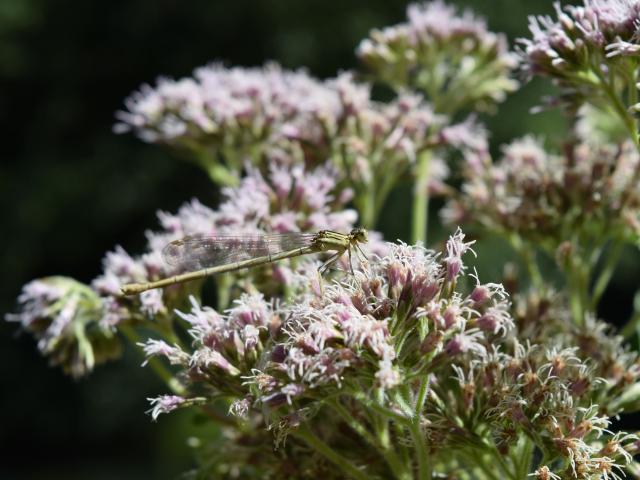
(591,51)
(62,315)
(443,55)
(401,364)
(544,394)
(562,47)
(375,145)
(373,332)
(69,318)
(389,320)
(287,199)
(608,372)
(401,338)
(541,196)
(228,111)
(289,118)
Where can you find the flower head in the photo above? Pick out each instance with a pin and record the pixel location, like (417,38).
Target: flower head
(370,329)
(221,105)
(584,49)
(443,53)
(533,192)
(63,316)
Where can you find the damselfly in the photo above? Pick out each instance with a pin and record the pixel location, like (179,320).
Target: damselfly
(206,256)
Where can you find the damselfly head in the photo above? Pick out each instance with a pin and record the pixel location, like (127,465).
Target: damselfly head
(359,235)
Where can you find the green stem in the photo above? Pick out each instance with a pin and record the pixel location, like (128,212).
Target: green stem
(526,253)
(505,466)
(633,90)
(381,441)
(84,345)
(606,274)
(304,433)
(476,459)
(422,395)
(575,299)
(526,457)
(367,207)
(578,286)
(390,179)
(631,326)
(421,199)
(224,283)
(421,452)
(363,398)
(619,107)
(221,175)
(352,422)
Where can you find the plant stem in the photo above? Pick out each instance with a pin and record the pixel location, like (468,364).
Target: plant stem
(422,395)
(352,422)
(424,473)
(399,470)
(363,398)
(631,326)
(223,284)
(620,109)
(221,176)
(330,454)
(475,458)
(367,207)
(578,286)
(505,466)
(421,199)
(526,457)
(527,254)
(606,274)
(575,300)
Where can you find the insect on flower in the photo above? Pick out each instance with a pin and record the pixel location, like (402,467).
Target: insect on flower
(212,255)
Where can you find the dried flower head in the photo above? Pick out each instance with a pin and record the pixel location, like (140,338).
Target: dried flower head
(63,314)
(539,195)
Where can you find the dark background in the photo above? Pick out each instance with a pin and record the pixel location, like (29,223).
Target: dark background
(70,189)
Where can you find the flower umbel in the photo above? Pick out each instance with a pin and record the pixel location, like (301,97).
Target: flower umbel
(442,54)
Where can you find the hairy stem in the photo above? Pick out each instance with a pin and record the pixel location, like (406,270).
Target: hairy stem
(422,395)
(421,452)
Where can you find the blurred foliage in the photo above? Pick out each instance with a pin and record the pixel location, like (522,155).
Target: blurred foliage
(71,189)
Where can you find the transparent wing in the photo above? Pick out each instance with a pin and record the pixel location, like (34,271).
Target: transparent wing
(197,252)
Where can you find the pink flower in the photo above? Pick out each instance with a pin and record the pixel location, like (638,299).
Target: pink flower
(165,404)
(468,341)
(160,348)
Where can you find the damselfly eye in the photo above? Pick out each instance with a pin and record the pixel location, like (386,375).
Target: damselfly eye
(360,234)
